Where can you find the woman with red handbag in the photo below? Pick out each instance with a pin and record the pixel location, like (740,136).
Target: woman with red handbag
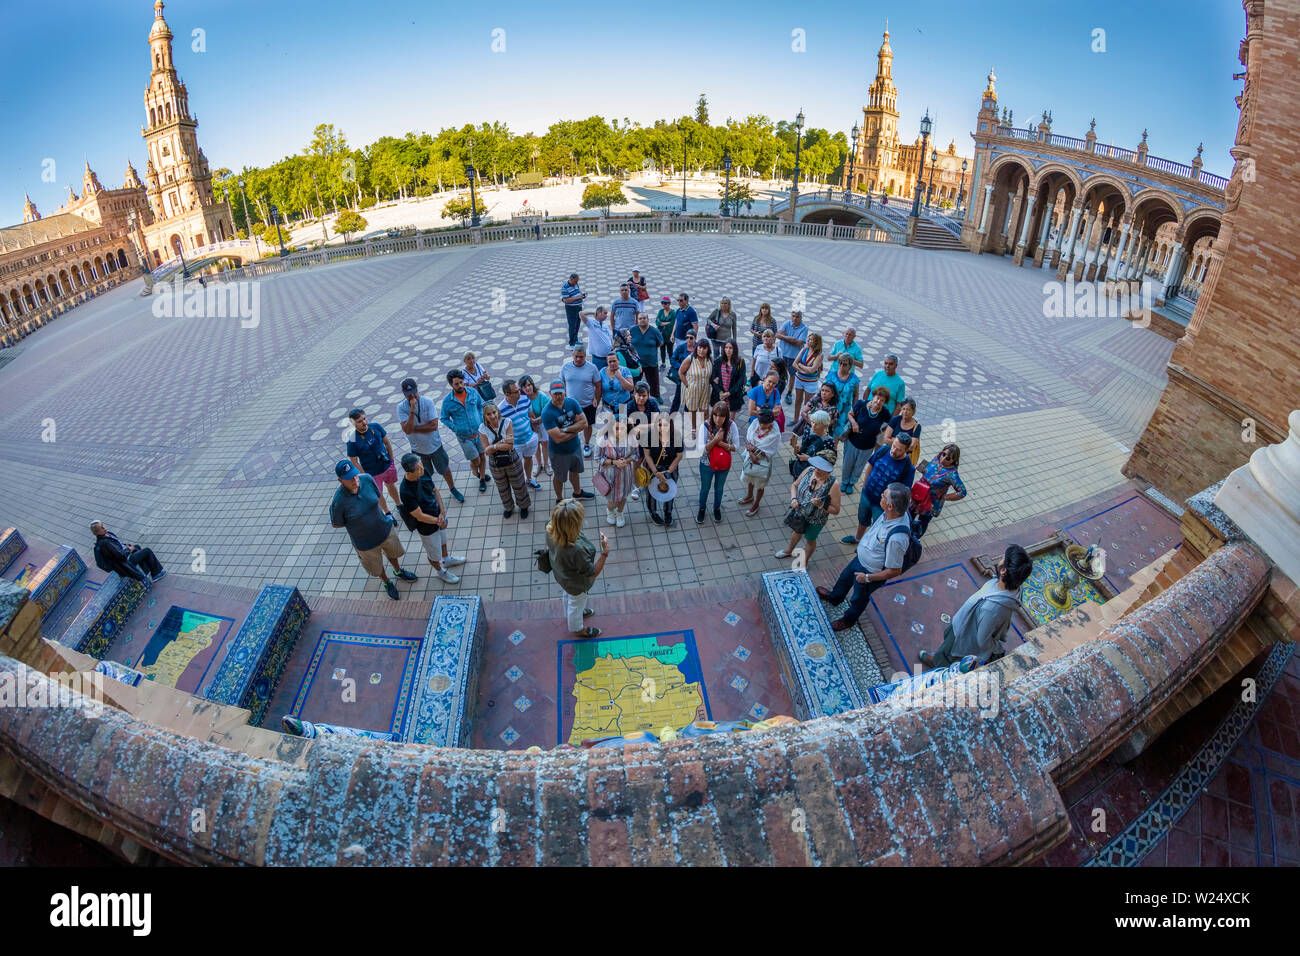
(721,440)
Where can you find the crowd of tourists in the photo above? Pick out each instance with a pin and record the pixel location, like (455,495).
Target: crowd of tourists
(742,392)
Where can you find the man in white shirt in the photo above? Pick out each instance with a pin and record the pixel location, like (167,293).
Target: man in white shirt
(600,335)
(879,557)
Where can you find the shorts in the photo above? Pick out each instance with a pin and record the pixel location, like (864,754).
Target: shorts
(436,462)
(867,512)
(373,559)
(388,477)
(590,412)
(809,387)
(433,544)
(471,448)
(528,448)
(564,464)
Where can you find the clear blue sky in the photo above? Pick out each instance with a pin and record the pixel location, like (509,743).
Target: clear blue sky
(75,70)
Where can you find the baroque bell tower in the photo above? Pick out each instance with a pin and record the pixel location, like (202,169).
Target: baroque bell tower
(880,121)
(178,180)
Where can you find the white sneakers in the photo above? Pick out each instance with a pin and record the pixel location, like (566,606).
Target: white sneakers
(609,517)
(452,560)
(622,521)
(586,451)
(635,495)
(783,553)
(445,576)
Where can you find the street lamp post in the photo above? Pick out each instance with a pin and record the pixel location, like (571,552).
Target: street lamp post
(275,218)
(473,201)
(962,186)
(853,160)
(798,140)
(726,164)
(926,126)
(929,193)
(684,138)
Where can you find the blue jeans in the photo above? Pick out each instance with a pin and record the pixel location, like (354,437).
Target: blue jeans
(861,592)
(574,316)
(716,478)
(855,459)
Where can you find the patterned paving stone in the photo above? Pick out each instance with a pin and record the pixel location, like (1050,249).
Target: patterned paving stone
(214,443)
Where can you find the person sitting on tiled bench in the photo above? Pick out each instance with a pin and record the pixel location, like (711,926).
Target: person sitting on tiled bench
(128,560)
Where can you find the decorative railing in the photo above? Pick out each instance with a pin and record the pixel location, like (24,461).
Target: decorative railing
(1116,152)
(666,225)
(15,330)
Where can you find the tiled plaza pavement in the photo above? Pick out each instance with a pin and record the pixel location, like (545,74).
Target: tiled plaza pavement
(212,443)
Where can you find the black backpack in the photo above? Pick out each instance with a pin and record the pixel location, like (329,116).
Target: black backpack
(913,552)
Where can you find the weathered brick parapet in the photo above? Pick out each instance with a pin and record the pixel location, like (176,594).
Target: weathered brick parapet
(927,785)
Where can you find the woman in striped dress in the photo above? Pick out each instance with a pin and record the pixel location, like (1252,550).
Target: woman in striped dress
(695,373)
(807,370)
(618,458)
(503,461)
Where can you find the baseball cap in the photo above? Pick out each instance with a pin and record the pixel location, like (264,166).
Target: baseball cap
(345,469)
(664,298)
(408,385)
(557,386)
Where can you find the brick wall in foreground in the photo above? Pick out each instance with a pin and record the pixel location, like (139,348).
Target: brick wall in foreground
(932,785)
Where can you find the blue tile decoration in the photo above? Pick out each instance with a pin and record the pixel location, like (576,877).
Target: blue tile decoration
(509,735)
(758,712)
(514,673)
(812,665)
(447,673)
(516,637)
(1154,823)
(256,659)
(120,672)
(98,623)
(11,545)
(405,679)
(60,575)
(739,683)
(741,653)
(522,704)
(732,618)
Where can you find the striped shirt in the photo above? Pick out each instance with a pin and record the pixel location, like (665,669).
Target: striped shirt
(567,290)
(518,416)
(624,312)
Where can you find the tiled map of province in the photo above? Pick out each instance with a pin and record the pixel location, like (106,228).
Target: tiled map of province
(631,684)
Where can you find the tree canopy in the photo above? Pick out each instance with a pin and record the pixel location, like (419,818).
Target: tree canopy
(330,175)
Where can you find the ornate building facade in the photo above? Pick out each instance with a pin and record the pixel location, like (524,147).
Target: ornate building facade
(886,166)
(100,237)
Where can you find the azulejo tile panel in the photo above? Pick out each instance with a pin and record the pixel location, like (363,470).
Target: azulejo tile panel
(812,665)
(1142,835)
(60,574)
(256,659)
(97,625)
(11,545)
(447,673)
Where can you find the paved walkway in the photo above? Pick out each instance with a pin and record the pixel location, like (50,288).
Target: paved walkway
(192,434)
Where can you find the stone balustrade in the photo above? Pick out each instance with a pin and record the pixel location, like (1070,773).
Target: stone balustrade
(925,784)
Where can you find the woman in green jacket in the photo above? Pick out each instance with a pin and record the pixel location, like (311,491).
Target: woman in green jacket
(574,562)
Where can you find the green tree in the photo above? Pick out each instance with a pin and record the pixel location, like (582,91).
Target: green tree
(737,196)
(702,111)
(458,208)
(602,196)
(348,223)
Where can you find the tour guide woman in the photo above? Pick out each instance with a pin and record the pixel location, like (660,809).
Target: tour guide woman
(574,563)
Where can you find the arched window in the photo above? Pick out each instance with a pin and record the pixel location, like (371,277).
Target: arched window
(153,119)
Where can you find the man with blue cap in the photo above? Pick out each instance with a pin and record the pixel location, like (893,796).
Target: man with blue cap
(359,506)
